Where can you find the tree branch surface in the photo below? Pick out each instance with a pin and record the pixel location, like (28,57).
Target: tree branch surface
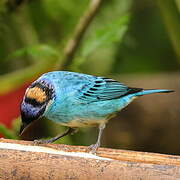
(24,160)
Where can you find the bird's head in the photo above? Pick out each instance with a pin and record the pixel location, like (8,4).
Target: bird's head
(36,100)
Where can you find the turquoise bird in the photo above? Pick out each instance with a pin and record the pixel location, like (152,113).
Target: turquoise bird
(77,100)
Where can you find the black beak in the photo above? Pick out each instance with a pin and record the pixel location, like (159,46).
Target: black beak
(23,128)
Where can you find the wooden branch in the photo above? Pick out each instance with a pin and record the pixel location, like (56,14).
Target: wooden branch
(24,160)
(79,32)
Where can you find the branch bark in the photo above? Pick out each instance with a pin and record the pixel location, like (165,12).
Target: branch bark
(24,160)
(80,29)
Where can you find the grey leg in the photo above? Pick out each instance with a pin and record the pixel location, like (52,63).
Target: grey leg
(68,131)
(93,148)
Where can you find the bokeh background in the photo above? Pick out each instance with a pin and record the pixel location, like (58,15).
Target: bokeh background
(135,41)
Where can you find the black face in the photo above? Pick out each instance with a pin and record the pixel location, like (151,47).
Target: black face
(35,102)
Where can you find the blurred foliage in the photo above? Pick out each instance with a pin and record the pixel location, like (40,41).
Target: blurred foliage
(145,47)
(102,38)
(35,51)
(171,14)
(106,36)
(7,133)
(129,36)
(12,133)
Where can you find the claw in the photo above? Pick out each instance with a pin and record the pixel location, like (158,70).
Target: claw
(75,130)
(40,141)
(93,148)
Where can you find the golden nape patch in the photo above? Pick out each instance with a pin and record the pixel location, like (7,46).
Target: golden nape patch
(36,93)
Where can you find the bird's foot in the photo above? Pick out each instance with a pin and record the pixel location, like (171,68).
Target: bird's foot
(93,148)
(41,141)
(74,130)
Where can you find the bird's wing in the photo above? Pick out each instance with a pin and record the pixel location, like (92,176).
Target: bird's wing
(102,89)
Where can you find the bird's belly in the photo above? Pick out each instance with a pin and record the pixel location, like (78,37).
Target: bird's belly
(92,114)
(79,122)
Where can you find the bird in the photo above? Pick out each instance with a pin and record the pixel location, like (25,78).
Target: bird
(77,100)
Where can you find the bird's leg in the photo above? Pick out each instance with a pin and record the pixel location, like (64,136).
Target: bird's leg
(94,147)
(46,141)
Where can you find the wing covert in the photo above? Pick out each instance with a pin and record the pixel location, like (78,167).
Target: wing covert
(102,89)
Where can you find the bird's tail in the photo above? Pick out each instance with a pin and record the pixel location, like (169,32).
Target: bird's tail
(151,91)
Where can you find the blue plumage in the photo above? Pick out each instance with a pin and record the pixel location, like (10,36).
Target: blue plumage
(77,100)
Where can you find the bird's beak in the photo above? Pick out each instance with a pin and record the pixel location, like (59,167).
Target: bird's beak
(23,128)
